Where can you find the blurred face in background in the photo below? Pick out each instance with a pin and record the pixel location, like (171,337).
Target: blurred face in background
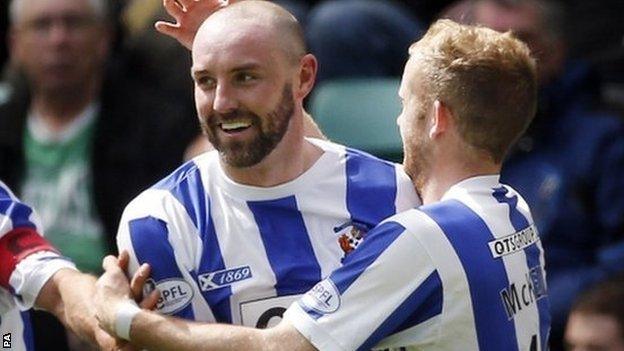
(61,45)
(593,332)
(526,22)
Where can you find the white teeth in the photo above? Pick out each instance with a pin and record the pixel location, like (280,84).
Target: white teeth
(235,125)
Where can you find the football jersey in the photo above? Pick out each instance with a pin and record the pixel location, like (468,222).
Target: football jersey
(465,273)
(27,261)
(225,252)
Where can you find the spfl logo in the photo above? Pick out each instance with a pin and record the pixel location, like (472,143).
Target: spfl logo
(351,235)
(6,341)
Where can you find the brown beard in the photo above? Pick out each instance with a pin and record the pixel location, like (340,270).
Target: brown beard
(250,153)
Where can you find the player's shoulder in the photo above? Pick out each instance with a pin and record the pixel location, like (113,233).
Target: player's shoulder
(180,185)
(413,221)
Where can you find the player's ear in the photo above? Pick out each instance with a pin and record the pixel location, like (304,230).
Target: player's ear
(308,67)
(440,119)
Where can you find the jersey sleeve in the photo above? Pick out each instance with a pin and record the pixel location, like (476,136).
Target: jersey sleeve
(387,285)
(27,260)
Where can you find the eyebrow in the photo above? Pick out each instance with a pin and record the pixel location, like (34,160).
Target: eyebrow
(243,67)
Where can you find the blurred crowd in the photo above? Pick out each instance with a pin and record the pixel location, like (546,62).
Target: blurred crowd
(95,106)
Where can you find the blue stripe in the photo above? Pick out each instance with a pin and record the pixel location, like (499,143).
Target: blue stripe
(17,211)
(376,242)
(422,304)
(287,244)
(150,241)
(186,186)
(532,253)
(469,235)
(371,188)
(29,340)
(211,261)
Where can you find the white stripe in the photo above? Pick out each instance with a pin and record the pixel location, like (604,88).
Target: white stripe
(324,201)
(406,194)
(457,307)
(241,245)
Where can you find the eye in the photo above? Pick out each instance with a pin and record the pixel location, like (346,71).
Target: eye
(205,82)
(245,77)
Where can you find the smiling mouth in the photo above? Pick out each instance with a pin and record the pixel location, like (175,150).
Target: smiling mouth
(235,126)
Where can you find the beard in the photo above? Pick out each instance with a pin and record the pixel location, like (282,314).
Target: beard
(417,159)
(242,154)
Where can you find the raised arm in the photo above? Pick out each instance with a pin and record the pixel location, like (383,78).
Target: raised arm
(188,16)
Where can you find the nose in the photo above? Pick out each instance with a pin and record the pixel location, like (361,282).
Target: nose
(224,99)
(58,33)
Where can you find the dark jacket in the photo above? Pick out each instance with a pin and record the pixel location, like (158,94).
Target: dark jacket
(140,137)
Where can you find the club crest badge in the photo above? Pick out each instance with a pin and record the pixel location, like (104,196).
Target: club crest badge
(350,235)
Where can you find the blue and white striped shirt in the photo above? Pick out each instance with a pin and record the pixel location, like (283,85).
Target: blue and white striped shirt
(466,273)
(231,253)
(26,264)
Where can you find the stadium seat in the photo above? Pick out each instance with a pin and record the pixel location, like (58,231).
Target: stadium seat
(361,113)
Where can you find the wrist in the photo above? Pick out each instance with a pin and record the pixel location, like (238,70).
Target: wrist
(124,314)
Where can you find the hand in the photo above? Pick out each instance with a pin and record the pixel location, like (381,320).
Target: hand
(111,289)
(136,287)
(189,15)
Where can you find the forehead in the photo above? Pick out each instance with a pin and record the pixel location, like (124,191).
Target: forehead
(222,46)
(27,9)
(411,74)
(521,18)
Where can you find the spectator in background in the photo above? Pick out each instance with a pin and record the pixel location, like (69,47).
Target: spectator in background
(570,163)
(596,320)
(77,140)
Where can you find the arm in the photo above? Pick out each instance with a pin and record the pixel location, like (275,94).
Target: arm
(67,295)
(153,331)
(189,15)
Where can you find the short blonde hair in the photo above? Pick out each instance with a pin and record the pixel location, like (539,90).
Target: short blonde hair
(487,79)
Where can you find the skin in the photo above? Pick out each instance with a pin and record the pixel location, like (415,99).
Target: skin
(593,332)
(235,71)
(67,295)
(61,46)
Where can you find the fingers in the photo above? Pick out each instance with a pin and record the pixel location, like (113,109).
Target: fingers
(173,8)
(138,280)
(123,260)
(150,301)
(110,262)
(167,28)
(186,3)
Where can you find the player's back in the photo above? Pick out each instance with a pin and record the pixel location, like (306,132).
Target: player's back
(491,266)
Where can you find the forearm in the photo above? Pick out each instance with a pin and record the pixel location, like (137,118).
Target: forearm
(67,295)
(152,331)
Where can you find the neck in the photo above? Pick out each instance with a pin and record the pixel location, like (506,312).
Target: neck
(290,158)
(446,173)
(59,108)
